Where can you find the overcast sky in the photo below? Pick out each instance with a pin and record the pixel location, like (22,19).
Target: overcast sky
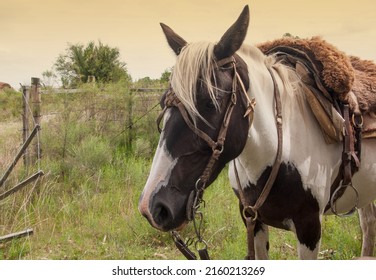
(34,33)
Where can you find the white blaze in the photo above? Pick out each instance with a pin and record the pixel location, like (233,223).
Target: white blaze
(159,176)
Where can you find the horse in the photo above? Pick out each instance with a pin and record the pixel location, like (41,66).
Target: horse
(222,108)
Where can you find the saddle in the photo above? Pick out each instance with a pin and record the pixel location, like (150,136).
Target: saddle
(330,79)
(341,91)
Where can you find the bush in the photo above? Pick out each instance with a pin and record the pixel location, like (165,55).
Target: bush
(92,154)
(10,104)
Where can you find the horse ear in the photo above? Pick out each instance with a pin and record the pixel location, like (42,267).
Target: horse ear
(234,36)
(174,40)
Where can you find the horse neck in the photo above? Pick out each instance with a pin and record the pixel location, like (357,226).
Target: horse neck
(262,89)
(262,135)
(261,147)
(301,132)
(264,92)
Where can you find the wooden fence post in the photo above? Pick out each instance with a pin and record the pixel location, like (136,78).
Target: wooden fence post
(19,154)
(25,123)
(36,103)
(20,234)
(130,123)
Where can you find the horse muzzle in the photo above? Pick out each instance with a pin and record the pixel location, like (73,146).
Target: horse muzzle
(164,212)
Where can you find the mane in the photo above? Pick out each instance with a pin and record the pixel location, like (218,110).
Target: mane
(195,64)
(291,89)
(288,75)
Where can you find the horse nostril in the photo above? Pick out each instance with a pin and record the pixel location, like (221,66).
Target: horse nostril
(162,214)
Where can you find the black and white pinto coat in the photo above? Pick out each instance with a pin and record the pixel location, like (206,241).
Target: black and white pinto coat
(301,190)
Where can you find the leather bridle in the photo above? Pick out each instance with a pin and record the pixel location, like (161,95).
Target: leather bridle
(217,146)
(195,198)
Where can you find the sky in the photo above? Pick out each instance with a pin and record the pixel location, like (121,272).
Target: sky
(34,33)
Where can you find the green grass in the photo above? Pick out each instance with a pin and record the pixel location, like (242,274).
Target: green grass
(85,207)
(99,220)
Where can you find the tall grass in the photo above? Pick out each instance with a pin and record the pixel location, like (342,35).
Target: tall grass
(85,207)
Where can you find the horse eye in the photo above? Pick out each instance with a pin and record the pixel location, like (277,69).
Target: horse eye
(210,104)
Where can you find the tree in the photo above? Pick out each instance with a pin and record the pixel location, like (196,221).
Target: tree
(79,63)
(145,82)
(48,78)
(165,77)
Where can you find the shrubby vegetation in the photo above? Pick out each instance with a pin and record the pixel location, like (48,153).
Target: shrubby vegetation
(97,146)
(11,105)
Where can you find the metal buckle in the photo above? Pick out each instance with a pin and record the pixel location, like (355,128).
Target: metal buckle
(250,216)
(218,147)
(355,122)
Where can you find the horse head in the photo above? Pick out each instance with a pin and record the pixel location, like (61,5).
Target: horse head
(204,123)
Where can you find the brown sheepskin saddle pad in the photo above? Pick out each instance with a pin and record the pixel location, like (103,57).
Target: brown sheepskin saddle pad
(330,77)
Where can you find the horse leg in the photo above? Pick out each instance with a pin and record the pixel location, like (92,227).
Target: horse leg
(261,241)
(308,233)
(367,217)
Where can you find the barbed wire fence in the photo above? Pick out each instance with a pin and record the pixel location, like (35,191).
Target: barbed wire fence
(31,116)
(140,104)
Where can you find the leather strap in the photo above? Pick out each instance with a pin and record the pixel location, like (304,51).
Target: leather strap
(182,246)
(350,162)
(250,213)
(349,155)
